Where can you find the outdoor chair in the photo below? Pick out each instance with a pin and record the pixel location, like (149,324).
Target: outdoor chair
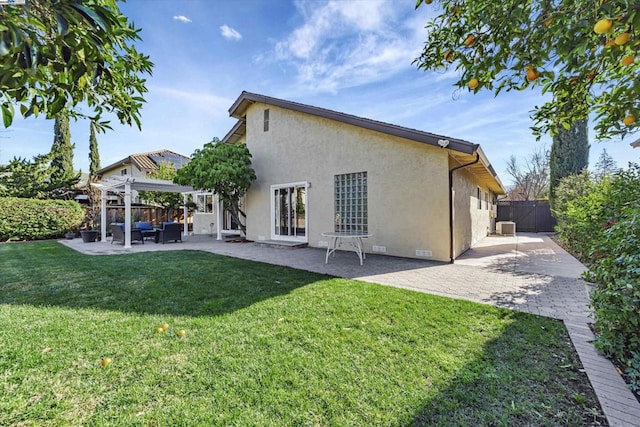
(146,228)
(170,231)
(117,233)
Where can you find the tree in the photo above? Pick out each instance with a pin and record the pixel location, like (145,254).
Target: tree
(94,154)
(62,150)
(531,180)
(63,177)
(224,169)
(605,165)
(580,52)
(31,179)
(569,154)
(94,195)
(168,201)
(57,54)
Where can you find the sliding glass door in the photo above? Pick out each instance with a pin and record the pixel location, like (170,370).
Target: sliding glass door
(289,212)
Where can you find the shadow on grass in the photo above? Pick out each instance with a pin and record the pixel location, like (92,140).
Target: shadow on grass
(528,376)
(189,283)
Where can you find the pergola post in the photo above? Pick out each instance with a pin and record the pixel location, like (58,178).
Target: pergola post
(185,214)
(103,215)
(219,218)
(127,214)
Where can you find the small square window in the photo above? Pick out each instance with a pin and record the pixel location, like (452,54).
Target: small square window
(123,172)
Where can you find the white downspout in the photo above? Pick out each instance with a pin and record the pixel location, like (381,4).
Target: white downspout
(103,216)
(219,218)
(127,215)
(185,215)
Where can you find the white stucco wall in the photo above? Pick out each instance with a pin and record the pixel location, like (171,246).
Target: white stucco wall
(407,180)
(470,223)
(202,223)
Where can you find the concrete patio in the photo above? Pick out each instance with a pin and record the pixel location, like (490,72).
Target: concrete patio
(527,272)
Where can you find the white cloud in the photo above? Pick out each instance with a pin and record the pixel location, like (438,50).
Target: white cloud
(182,19)
(344,44)
(230,33)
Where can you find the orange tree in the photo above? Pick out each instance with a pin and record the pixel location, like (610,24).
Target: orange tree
(584,53)
(59,54)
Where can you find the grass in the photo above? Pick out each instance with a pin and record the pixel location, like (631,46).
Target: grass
(265,345)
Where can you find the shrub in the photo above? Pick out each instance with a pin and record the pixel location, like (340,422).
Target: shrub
(30,219)
(578,208)
(616,295)
(601,224)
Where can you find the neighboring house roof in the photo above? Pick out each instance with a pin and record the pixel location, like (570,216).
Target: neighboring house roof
(460,150)
(149,162)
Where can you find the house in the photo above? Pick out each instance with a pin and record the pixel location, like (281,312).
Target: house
(142,165)
(420,195)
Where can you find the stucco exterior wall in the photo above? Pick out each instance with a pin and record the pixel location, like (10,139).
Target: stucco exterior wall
(132,171)
(202,223)
(470,223)
(407,180)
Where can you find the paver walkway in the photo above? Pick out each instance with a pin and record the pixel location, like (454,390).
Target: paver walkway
(528,272)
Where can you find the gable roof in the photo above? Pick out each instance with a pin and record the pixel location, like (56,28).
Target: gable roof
(149,162)
(460,150)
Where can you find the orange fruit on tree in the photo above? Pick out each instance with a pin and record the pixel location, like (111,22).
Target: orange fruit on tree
(473,83)
(548,22)
(629,120)
(532,74)
(622,39)
(610,43)
(602,26)
(448,56)
(627,60)
(469,40)
(427,1)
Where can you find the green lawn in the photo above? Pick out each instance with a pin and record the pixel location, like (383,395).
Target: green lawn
(265,345)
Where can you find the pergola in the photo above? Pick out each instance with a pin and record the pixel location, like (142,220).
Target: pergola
(125,185)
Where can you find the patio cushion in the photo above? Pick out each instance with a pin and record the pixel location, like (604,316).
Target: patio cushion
(144,225)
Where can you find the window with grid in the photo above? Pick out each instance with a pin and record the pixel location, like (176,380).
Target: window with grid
(204,203)
(351,203)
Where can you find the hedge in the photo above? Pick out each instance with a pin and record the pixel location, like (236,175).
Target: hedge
(600,223)
(31,219)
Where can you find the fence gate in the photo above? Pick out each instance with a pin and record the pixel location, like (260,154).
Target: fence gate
(530,216)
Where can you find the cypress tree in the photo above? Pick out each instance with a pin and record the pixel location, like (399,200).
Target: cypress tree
(62,150)
(94,155)
(569,154)
(63,177)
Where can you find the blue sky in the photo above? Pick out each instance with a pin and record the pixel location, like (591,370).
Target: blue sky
(353,56)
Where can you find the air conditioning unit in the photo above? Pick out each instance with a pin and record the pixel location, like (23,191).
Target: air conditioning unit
(506,228)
